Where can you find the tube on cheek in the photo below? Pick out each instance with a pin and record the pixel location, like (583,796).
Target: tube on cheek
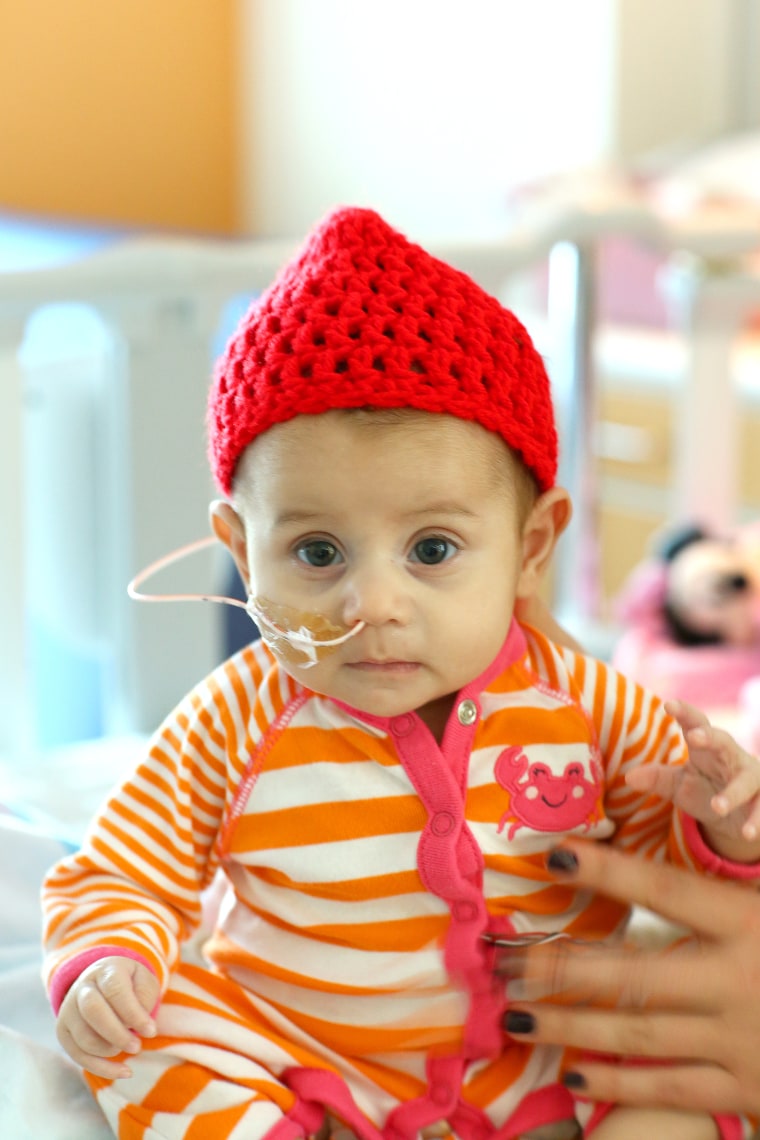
(296,637)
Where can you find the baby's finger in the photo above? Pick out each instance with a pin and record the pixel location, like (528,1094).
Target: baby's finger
(123,1001)
(688,716)
(660,779)
(95,1063)
(742,788)
(86,1010)
(97,1023)
(722,744)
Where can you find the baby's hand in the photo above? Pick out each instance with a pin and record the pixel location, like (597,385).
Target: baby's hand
(719,785)
(104,1011)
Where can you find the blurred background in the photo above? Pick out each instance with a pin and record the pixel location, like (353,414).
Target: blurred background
(252,117)
(597,160)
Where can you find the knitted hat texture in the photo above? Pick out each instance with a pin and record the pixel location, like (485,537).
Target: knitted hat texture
(361,317)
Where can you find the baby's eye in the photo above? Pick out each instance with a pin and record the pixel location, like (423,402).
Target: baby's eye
(433,550)
(318,552)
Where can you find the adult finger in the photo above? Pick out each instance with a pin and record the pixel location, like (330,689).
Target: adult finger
(689,978)
(717,909)
(699,1087)
(642,1033)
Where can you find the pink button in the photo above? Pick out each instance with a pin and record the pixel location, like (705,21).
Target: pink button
(402,725)
(442,823)
(465,911)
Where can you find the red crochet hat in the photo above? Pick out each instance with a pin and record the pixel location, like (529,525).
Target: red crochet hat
(361,317)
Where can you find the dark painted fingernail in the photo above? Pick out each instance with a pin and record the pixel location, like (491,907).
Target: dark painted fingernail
(562,860)
(573,1080)
(515,1021)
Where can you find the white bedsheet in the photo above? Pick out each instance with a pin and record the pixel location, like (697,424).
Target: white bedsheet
(42,1094)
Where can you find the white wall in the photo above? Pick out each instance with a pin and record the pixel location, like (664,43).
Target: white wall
(677,75)
(430,110)
(427,109)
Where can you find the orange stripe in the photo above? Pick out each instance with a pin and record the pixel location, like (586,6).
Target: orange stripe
(240,691)
(229,726)
(403,1086)
(132,792)
(490,1082)
(223,1122)
(328,823)
(134,1122)
(307,744)
(526,867)
(561,724)
(177,873)
(362,1040)
(598,698)
(128,868)
(597,920)
(122,809)
(176,1088)
(248,1018)
(552,900)
(372,887)
(616,728)
(205,719)
(580,670)
(400,934)
(227,954)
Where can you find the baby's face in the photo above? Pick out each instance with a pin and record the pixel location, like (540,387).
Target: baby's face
(411,527)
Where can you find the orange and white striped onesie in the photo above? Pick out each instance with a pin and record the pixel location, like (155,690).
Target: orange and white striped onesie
(363,864)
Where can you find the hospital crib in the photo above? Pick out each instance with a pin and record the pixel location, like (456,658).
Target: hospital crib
(102,455)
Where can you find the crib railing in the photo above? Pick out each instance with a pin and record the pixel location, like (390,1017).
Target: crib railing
(161,301)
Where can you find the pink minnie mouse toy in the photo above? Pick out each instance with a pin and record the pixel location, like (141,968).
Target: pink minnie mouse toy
(692,617)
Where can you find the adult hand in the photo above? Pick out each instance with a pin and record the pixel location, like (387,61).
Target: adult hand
(695,1007)
(105,1013)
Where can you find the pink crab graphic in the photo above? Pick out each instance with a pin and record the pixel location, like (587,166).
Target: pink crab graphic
(545,802)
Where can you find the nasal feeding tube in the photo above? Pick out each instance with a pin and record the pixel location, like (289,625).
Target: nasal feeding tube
(296,637)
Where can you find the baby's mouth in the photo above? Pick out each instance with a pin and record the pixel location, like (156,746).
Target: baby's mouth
(384,665)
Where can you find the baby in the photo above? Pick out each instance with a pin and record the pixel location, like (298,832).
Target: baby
(376,784)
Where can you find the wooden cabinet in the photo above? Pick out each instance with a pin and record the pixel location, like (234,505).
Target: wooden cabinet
(122,114)
(637,438)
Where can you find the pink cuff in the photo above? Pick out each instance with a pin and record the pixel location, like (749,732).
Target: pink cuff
(709,859)
(729,1127)
(66,974)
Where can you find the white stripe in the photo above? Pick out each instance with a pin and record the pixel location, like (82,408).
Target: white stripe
(418,1010)
(299,909)
(337,965)
(336,862)
(325,782)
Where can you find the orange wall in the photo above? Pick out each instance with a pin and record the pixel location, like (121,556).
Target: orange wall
(120,111)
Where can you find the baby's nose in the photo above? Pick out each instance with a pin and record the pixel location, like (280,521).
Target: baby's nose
(375,595)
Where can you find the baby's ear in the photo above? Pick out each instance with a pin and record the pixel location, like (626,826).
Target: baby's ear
(548,517)
(229,528)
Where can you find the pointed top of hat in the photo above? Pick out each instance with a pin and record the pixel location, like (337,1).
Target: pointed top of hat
(362,317)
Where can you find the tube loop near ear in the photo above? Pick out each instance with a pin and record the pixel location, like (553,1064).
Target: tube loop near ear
(297,637)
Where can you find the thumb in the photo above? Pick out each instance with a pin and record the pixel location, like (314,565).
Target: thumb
(660,780)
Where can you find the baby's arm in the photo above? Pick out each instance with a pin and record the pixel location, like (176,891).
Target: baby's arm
(105,1012)
(719,786)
